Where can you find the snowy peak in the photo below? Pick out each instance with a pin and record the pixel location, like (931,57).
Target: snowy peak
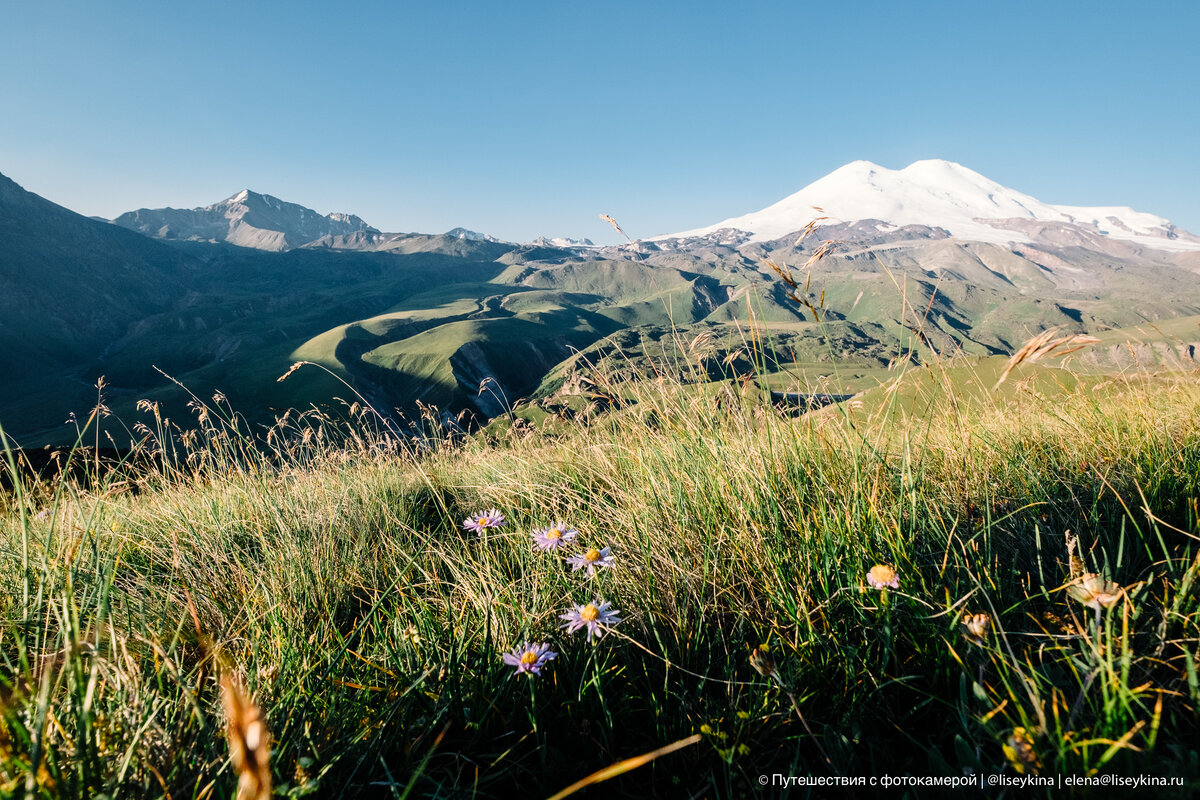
(469,235)
(247,219)
(940,194)
(561,241)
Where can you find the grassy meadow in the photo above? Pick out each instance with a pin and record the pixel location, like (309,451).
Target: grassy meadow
(933,578)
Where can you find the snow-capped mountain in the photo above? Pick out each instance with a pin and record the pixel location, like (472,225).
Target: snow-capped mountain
(248,219)
(940,194)
(561,241)
(470,235)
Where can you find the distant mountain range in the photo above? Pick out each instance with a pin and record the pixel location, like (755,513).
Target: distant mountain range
(931,258)
(935,194)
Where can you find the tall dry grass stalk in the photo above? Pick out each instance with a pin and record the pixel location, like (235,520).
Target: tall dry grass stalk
(626,765)
(1042,345)
(794,292)
(249,740)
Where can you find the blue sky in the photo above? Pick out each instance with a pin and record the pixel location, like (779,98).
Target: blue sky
(528,118)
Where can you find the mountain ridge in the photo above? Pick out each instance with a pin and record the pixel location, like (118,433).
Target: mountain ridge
(246,219)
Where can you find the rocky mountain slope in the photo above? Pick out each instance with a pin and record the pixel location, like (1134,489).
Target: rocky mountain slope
(246,219)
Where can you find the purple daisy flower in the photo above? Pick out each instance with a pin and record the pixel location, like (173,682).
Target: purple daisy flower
(594,616)
(480,521)
(530,657)
(591,560)
(553,537)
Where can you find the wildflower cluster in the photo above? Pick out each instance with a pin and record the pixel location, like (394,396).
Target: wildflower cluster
(1088,588)
(975,628)
(595,616)
(763,662)
(1094,591)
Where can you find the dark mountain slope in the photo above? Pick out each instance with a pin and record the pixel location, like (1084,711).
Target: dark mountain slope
(70,284)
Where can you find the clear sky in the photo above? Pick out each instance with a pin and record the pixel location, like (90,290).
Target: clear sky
(527,118)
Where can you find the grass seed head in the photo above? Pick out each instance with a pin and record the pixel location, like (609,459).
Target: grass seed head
(1094,591)
(1042,345)
(612,222)
(976,627)
(763,662)
(249,741)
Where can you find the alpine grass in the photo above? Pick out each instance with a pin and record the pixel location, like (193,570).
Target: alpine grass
(1005,584)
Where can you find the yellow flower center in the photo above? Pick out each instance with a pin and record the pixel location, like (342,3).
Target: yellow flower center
(589,613)
(529,657)
(485,521)
(554,533)
(883,573)
(592,555)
